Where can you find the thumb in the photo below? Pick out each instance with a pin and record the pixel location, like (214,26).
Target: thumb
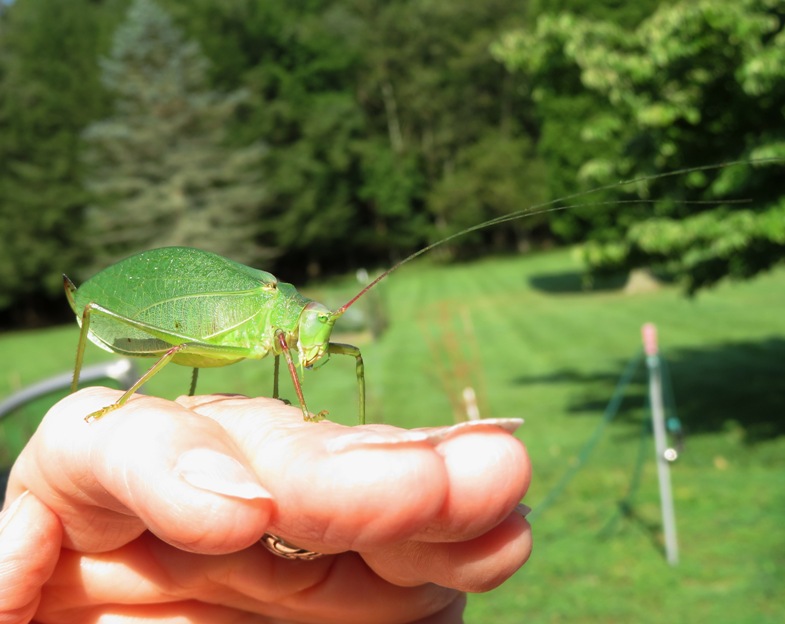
(30,536)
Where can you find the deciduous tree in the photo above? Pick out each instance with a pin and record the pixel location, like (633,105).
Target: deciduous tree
(696,83)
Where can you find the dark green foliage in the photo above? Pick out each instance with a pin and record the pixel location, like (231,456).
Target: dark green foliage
(444,101)
(489,179)
(621,12)
(366,106)
(330,134)
(49,91)
(696,83)
(371,115)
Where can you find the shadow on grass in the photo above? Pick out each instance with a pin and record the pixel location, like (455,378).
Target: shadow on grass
(732,383)
(626,512)
(735,384)
(572,282)
(575,282)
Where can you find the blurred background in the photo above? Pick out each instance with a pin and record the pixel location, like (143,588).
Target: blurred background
(329,139)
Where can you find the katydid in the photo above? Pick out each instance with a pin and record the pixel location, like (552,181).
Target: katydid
(201,310)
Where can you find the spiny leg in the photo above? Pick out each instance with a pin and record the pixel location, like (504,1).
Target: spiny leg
(160,337)
(281,338)
(347,349)
(165,359)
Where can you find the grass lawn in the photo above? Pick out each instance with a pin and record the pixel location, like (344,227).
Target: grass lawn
(533,344)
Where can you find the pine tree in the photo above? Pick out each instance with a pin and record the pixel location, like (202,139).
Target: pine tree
(160,168)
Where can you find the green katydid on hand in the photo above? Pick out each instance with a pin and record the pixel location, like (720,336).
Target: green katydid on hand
(202,310)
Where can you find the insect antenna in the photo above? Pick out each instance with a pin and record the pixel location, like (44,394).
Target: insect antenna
(490,222)
(554,206)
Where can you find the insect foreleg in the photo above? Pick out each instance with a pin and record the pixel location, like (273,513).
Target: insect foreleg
(347,349)
(281,338)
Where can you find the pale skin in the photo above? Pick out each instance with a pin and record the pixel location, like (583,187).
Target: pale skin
(154,514)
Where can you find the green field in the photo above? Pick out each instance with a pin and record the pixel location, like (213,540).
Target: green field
(533,344)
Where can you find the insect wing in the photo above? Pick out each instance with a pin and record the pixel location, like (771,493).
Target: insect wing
(168,296)
(124,336)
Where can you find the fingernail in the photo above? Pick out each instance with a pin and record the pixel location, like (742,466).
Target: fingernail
(215,472)
(389,436)
(523,509)
(438,434)
(10,511)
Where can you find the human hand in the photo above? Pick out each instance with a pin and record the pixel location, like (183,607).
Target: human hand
(155,512)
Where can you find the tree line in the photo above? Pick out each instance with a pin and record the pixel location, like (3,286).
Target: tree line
(316,136)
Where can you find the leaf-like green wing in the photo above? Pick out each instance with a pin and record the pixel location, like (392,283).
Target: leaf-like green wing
(186,294)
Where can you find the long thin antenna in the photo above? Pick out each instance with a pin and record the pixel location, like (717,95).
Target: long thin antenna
(551,207)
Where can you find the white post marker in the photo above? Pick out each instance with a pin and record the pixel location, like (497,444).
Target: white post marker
(649,332)
(470,403)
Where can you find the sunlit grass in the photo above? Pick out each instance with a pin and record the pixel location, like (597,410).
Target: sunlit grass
(535,346)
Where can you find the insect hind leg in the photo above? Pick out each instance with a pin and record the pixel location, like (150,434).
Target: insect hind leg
(155,368)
